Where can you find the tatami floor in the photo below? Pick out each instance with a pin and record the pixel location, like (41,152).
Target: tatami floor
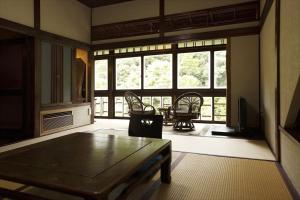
(202,167)
(183,142)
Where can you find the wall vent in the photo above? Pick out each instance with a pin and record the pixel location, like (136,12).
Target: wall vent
(57,120)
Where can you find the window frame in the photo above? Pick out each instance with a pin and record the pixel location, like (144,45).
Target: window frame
(174,92)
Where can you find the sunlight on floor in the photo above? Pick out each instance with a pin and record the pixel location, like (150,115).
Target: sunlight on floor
(221,146)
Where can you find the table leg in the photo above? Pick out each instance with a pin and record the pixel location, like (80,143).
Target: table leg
(165,172)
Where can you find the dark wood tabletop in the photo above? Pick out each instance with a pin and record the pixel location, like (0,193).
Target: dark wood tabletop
(84,164)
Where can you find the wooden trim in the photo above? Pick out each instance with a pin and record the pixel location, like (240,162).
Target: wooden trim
(94,4)
(186,37)
(37,14)
(292,134)
(37,86)
(91,80)
(111,86)
(224,15)
(259,87)
(161,18)
(228,91)
(288,182)
(53,38)
(265,12)
(175,67)
(63,106)
(277,47)
(16,27)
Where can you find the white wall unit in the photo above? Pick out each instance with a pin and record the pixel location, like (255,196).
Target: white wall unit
(80,116)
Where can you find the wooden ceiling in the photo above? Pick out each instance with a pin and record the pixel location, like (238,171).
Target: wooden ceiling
(97,3)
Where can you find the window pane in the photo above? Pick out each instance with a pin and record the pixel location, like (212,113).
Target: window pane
(146,100)
(101,106)
(156,102)
(128,73)
(158,71)
(194,70)
(206,109)
(220,108)
(167,102)
(220,69)
(121,107)
(101,71)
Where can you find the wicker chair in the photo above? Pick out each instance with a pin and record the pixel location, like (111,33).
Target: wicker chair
(136,106)
(185,108)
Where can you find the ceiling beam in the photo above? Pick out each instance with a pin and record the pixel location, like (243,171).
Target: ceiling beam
(98,3)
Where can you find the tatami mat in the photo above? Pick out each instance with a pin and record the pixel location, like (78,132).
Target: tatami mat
(202,177)
(205,177)
(240,148)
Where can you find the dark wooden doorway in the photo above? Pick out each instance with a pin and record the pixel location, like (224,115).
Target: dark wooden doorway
(16,86)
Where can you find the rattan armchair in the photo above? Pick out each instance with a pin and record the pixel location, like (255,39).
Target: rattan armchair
(136,106)
(186,108)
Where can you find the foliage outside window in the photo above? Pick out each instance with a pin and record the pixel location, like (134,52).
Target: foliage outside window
(128,73)
(194,70)
(220,79)
(158,71)
(220,108)
(101,74)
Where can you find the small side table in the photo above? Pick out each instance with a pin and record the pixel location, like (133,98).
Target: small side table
(166,114)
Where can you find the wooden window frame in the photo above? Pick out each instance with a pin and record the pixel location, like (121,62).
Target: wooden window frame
(174,92)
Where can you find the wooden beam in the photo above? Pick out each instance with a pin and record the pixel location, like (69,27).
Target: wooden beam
(162,18)
(37,14)
(265,12)
(44,35)
(97,3)
(277,97)
(174,39)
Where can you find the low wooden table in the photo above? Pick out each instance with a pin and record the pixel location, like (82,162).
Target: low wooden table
(85,164)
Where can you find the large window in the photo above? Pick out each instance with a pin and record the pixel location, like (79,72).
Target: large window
(101,74)
(158,71)
(158,74)
(194,70)
(128,73)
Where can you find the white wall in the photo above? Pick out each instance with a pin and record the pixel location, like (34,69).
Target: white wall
(290,160)
(289,55)
(268,77)
(126,11)
(244,69)
(19,11)
(68,18)
(289,78)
